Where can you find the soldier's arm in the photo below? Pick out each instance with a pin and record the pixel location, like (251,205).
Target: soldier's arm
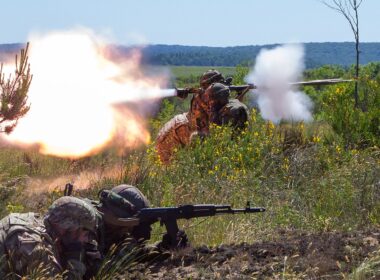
(82,260)
(75,270)
(74,256)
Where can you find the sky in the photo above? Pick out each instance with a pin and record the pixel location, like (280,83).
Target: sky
(189,22)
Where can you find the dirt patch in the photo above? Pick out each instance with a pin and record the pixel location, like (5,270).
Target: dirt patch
(293,255)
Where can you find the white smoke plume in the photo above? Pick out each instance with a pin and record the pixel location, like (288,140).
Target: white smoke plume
(273,73)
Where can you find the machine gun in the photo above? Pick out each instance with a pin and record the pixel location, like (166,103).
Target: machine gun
(168,216)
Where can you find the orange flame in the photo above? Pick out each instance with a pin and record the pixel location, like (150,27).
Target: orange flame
(73,95)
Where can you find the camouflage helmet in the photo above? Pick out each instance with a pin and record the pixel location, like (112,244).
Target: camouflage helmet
(71,213)
(124,201)
(209,77)
(133,195)
(217,93)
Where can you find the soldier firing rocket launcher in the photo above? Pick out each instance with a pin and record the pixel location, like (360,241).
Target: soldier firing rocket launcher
(241,90)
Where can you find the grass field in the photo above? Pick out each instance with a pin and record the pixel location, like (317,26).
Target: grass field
(316,177)
(185,71)
(183,76)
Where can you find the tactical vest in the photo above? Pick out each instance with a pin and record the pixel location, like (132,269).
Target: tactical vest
(19,223)
(15,222)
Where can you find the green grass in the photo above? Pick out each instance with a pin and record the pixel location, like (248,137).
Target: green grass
(185,71)
(309,176)
(316,177)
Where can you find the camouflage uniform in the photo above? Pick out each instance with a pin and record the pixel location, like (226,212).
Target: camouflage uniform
(216,97)
(234,113)
(116,208)
(68,214)
(200,103)
(175,133)
(121,202)
(209,105)
(179,131)
(26,247)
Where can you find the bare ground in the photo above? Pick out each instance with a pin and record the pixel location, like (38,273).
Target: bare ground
(293,255)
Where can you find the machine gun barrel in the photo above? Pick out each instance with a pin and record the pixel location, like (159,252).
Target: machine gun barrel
(168,216)
(191,211)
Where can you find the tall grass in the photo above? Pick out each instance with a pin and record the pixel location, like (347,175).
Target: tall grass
(318,177)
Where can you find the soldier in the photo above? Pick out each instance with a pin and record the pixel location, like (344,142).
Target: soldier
(181,129)
(174,134)
(124,201)
(215,97)
(197,115)
(61,242)
(119,204)
(234,112)
(211,76)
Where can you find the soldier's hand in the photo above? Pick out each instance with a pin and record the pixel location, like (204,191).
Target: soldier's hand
(142,232)
(73,250)
(182,92)
(180,241)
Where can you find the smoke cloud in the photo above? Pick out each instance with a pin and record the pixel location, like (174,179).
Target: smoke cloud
(273,73)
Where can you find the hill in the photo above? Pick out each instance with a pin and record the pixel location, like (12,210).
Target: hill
(317,54)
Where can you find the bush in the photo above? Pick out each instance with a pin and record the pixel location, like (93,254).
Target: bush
(358,127)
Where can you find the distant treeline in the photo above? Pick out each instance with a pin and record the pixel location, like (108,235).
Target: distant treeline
(317,54)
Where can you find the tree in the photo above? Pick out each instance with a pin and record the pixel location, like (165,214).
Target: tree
(349,9)
(13,93)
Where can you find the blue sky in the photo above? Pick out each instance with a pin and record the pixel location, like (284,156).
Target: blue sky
(195,22)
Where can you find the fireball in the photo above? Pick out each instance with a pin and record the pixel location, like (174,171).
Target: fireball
(78,96)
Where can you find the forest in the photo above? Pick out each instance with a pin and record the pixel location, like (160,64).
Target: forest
(317,54)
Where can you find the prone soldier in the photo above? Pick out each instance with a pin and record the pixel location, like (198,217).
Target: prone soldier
(124,219)
(63,241)
(125,213)
(116,209)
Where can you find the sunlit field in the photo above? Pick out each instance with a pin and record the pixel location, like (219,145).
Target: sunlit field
(320,176)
